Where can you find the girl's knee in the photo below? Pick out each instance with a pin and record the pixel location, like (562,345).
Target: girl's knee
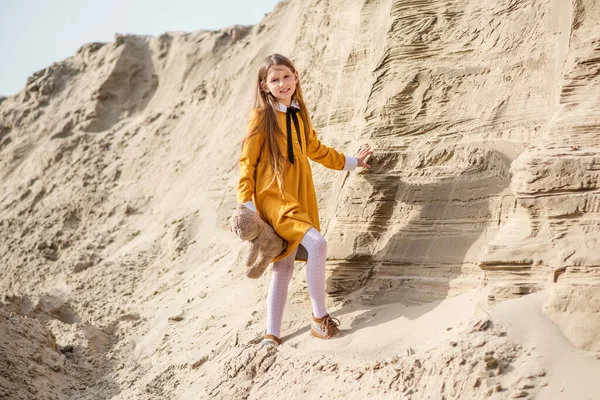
(284,267)
(321,244)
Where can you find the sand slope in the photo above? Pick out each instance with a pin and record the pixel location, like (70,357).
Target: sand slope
(464,264)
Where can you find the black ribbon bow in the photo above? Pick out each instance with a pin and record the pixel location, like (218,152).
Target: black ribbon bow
(289,116)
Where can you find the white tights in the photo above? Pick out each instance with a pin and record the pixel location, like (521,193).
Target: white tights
(316,246)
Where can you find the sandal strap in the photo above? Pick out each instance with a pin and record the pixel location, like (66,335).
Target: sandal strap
(272,337)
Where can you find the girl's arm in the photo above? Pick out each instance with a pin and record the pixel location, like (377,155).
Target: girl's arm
(248,160)
(328,156)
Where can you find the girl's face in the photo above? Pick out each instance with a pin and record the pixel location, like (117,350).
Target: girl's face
(281,83)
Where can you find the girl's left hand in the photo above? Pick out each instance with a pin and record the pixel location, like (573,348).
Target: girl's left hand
(363,154)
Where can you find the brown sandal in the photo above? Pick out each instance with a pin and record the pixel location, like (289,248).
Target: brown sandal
(325,328)
(270,340)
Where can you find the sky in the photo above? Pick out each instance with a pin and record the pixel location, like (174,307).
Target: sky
(36,33)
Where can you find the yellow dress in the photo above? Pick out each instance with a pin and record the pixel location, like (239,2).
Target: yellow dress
(297,212)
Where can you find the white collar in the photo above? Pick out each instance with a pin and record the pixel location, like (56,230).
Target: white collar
(283,108)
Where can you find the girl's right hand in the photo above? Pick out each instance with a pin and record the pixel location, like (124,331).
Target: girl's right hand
(364,153)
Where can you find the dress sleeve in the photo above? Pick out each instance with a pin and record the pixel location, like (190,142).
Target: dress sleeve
(250,205)
(324,155)
(250,154)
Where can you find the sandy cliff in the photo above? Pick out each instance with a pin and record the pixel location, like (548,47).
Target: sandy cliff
(464,264)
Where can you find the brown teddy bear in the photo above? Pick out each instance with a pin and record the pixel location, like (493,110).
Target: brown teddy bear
(264,243)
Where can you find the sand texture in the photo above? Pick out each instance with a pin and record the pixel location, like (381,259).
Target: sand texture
(465,264)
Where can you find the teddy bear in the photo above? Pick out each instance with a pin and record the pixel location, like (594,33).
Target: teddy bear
(264,243)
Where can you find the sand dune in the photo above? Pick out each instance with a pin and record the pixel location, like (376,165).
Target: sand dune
(463,265)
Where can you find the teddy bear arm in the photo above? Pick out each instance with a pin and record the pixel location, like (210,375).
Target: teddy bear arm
(252,252)
(259,263)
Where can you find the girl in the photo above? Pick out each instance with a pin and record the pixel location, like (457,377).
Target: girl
(276,181)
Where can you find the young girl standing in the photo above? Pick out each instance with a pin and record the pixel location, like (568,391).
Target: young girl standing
(276,181)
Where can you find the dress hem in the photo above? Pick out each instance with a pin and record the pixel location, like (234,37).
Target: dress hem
(277,258)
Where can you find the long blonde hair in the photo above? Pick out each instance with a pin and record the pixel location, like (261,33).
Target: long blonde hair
(265,110)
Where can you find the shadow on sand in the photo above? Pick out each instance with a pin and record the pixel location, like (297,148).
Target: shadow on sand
(423,229)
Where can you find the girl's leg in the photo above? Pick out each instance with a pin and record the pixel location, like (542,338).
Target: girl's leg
(278,290)
(316,247)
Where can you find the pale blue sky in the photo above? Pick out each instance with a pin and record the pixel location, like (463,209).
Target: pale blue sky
(36,33)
